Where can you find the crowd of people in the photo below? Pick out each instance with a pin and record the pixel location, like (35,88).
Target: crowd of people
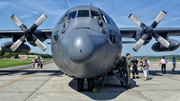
(123,66)
(37,63)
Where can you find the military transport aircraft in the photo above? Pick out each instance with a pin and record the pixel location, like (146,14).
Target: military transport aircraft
(86,42)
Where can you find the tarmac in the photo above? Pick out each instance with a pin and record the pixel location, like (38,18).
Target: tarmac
(21,83)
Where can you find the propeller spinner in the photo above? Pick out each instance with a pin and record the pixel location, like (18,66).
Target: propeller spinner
(148,31)
(28,33)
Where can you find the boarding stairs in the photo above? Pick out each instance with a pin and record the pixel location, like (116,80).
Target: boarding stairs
(117,75)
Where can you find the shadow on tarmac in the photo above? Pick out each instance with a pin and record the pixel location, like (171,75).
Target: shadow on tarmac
(29,72)
(159,73)
(111,89)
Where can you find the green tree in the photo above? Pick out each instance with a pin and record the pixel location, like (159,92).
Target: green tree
(7,55)
(2,52)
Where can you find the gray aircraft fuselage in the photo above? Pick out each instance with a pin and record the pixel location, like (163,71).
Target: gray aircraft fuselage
(85,42)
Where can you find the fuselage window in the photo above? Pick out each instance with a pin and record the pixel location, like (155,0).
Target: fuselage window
(56,37)
(83,13)
(95,15)
(72,15)
(112,37)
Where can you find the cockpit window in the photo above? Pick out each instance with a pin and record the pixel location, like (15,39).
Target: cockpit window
(72,15)
(65,17)
(83,13)
(108,19)
(95,15)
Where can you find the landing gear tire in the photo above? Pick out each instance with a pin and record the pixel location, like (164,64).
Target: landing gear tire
(90,84)
(80,84)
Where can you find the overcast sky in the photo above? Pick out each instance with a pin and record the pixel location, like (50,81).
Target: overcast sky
(146,10)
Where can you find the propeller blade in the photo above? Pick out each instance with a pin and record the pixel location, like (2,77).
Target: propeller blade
(39,43)
(138,44)
(161,40)
(18,22)
(40,20)
(158,19)
(137,21)
(17,43)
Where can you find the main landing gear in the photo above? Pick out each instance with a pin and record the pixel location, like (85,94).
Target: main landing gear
(91,84)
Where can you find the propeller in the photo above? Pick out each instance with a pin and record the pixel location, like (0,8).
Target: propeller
(28,32)
(149,31)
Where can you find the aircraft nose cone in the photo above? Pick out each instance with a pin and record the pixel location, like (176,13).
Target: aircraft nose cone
(81,48)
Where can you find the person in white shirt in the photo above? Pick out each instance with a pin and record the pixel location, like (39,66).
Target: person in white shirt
(36,64)
(163,66)
(146,69)
(33,64)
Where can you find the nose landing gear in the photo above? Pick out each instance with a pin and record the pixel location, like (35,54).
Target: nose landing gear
(80,84)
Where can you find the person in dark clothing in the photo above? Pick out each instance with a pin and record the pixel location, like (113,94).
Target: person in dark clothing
(141,63)
(121,69)
(135,67)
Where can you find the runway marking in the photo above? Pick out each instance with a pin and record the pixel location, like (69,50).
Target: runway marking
(23,78)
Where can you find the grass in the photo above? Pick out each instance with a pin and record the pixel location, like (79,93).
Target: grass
(10,63)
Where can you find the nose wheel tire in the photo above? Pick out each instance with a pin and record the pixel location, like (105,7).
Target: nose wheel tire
(91,84)
(80,84)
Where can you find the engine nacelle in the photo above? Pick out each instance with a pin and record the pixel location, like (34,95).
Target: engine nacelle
(157,47)
(23,48)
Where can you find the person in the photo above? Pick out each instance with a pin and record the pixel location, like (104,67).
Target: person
(41,63)
(126,67)
(33,64)
(174,63)
(36,64)
(49,59)
(135,67)
(148,64)
(121,69)
(163,66)
(145,69)
(141,63)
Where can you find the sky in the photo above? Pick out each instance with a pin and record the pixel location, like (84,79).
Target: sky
(28,11)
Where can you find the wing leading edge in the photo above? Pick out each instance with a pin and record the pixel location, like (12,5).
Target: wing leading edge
(132,32)
(19,33)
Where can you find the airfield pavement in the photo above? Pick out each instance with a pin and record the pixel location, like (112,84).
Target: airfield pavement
(21,83)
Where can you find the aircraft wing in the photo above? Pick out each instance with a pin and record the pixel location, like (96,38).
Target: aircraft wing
(19,33)
(132,32)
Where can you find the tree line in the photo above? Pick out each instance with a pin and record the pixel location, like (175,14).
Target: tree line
(15,55)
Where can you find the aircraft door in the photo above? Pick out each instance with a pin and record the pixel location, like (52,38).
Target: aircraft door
(59,45)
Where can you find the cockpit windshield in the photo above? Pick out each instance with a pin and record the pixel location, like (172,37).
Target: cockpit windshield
(83,13)
(95,15)
(72,15)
